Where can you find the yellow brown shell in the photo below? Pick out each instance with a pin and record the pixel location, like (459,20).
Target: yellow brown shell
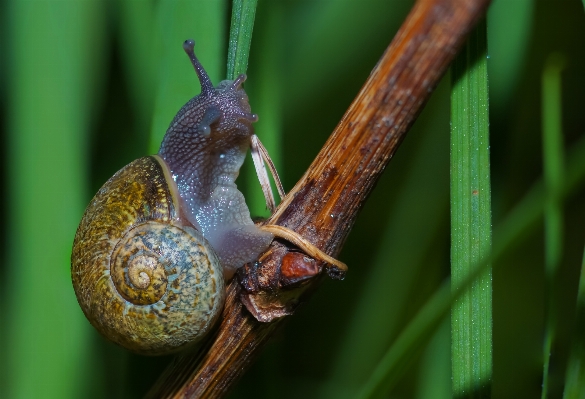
(145,280)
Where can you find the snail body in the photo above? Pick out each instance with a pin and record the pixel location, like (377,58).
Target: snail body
(156,243)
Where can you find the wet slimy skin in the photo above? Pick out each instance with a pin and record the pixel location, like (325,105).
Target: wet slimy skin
(204,148)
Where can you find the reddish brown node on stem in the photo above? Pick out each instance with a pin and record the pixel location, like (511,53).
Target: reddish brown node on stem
(297,267)
(337,183)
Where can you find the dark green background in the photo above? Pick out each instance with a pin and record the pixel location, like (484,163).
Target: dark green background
(308,60)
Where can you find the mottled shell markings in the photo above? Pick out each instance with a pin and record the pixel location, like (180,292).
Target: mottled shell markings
(153,247)
(138,245)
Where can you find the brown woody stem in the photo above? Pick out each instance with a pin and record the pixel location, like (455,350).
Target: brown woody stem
(324,204)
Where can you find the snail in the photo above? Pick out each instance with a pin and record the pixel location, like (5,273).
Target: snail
(160,238)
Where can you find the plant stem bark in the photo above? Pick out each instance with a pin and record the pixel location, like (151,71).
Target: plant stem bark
(325,202)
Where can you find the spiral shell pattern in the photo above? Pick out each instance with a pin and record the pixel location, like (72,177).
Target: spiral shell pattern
(142,279)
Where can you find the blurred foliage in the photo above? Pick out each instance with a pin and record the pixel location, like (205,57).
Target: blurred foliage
(553,166)
(575,375)
(81,89)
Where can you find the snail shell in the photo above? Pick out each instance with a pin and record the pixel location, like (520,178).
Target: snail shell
(144,279)
(155,244)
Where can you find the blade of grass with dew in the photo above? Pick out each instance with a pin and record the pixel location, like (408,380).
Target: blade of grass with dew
(243,14)
(264,89)
(575,374)
(178,20)
(471,316)
(56,48)
(552,145)
(514,227)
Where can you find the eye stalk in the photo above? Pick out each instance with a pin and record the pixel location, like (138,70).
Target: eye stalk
(236,84)
(206,85)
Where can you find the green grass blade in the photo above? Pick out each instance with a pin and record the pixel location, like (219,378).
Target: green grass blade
(527,213)
(514,227)
(243,14)
(575,375)
(178,20)
(552,145)
(471,316)
(56,54)
(413,336)
(417,332)
(265,91)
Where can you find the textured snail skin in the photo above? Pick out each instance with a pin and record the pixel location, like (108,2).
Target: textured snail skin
(204,148)
(157,241)
(135,216)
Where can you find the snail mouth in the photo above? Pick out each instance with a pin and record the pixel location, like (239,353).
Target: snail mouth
(252,118)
